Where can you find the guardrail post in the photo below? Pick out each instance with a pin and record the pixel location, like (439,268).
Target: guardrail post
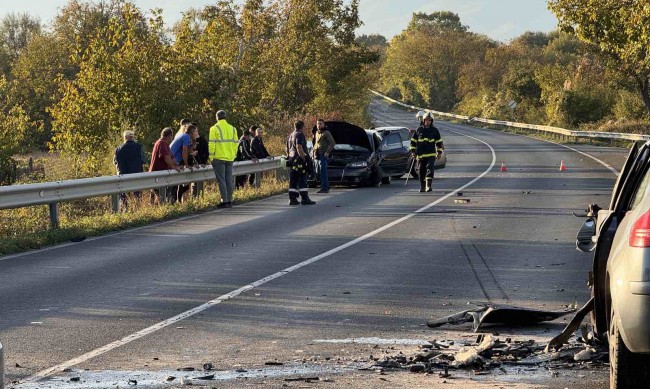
(258,180)
(54,215)
(162,194)
(2,367)
(115,202)
(199,186)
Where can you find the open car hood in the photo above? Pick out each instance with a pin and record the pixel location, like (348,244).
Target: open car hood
(347,133)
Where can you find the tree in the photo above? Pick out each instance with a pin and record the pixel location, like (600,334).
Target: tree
(372,40)
(16,30)
(13,123)
(37,74)
(121,85)
(426,59)
(436,21)
(618,29)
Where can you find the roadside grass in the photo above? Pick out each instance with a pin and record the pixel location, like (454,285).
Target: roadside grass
(26,229)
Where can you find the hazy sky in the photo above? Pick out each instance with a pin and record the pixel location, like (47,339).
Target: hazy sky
(499,19)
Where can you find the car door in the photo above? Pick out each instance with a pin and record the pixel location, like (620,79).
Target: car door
(393,154)
(608,222)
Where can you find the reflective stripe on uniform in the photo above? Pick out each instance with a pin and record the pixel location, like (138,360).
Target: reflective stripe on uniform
(426,155)
(426,140)
(291,190)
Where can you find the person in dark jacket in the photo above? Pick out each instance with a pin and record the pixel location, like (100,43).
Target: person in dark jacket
(128,159)
(202,156)
(258,150)
(257,144)
(427,146)
(244,154)
(201,159)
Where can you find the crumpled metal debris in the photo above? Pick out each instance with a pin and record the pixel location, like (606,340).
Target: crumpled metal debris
(490,353)
(558,341)
(488,313)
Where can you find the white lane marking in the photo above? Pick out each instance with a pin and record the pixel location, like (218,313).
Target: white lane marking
(608,166)
(137,335)
(379,121)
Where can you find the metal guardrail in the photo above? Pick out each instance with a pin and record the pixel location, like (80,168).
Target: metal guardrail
(52,193)
(556,130)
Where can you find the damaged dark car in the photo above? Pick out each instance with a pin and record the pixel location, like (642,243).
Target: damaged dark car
(364,157)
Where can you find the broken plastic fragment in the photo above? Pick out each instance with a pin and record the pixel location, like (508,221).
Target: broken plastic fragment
(487,313)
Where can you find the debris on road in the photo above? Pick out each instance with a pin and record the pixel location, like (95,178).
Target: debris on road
(461,201)
(308,380)
(557,342)
(487,313)
(205,377)
(208,366)
(490,353)
(470,355)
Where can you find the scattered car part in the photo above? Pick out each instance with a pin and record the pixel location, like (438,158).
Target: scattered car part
(487,313)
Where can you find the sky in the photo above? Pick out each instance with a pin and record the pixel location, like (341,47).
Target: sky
(501,20)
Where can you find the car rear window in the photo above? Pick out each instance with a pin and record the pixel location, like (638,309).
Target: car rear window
(642,190)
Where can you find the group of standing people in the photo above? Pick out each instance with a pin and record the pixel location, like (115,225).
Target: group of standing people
(187,149)
(250,148)
(301,164)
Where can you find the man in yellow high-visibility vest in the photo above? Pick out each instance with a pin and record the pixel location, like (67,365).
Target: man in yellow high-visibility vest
(223,142)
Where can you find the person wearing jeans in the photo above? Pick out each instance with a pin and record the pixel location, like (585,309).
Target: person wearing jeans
(323,146)
(223,149)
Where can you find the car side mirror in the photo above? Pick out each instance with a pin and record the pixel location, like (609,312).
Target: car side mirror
(584,239)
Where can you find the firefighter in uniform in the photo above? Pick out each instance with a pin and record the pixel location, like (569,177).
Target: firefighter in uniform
(427,146)
(298,160)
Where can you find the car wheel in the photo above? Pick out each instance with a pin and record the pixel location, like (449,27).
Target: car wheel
(386,180)
(626,369)
(619,369)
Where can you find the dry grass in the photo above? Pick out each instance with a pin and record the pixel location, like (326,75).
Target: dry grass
(28,228)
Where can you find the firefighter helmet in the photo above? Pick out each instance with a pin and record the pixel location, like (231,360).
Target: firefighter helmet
(427,115)
(419,115)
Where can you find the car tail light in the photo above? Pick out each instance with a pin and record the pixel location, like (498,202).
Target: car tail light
(640,234)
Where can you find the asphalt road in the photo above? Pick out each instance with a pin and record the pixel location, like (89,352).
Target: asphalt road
(293,285)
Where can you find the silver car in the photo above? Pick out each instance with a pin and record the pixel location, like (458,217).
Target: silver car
(620,277)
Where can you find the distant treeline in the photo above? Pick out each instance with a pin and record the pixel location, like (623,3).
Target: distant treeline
(569,78)
(101,67)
